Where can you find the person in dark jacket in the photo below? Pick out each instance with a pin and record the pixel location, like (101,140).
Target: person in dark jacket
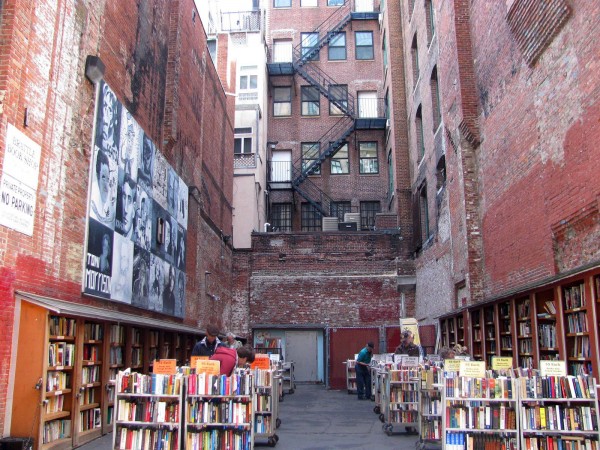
(208,345)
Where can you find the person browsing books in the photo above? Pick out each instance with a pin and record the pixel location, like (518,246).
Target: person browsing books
(208,345)
(230,358)
(231,341)
(363,372)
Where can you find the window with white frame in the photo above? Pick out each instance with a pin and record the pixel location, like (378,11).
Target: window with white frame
(282,3)
(243,140)
(282,51)
(308,3)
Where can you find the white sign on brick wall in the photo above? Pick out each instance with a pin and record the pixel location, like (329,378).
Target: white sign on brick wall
(19,183)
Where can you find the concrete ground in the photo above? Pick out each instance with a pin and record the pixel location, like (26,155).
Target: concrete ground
(314,418)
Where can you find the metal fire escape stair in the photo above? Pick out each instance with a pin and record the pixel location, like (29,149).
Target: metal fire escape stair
(336,136)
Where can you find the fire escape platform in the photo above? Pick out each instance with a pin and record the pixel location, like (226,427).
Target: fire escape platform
(366,15)
(370,123)
(281,68)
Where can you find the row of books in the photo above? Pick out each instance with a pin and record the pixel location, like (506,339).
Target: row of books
(90,374)
(91,353)
(117,334)
(403,396)
(559,417)
(464,441)
(577,322)
(481,417)
(430,430)
(154,384)
(580,347)
(62,326)
(116,356)
(488,388)
(56,429)
(224,412)
(560,443)
(574,296)
(57,381)
(547,335)
(147,410)
(206,384)
(61,354)
(90,419)
(262,424)
(538,387)
(412,374)
(263,403)
(147,439)
(217,439)
(93,331)
(55,404)
(87,397)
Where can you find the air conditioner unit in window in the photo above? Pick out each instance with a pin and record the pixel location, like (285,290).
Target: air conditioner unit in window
(352,217)
(380,19)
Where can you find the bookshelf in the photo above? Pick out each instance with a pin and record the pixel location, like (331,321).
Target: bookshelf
(477,335)
(558,412)
(287,377)
(460,330)
(266,406)
(351,376)
(491,347)
(135,349)
(89,389)
(152,343)
(578,340)
(547,331)
(401,408)
(505,323)
(58,383)
(479,412)
(116,362)
(219,411)
(148,411)
(430,409)
(525,349)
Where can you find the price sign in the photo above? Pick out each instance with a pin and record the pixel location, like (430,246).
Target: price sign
(209,367)
(193,360)
(502,362)
(473,369)
(452,365)
(261,362)
(553,368)
(165,366)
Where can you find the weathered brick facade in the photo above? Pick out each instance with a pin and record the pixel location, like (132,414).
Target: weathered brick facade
(160,69)
(518,84)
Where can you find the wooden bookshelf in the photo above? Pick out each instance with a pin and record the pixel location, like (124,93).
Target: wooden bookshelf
(477,336)
(577,307)
(524,331)
(491,347)
(546,329)
(506,320)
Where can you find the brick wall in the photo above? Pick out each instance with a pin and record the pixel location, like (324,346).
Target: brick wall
(334,279)
(158,65)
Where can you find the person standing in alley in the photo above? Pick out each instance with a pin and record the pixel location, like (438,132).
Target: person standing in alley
(363,372)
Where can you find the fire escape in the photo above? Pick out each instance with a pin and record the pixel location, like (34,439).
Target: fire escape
(334,138)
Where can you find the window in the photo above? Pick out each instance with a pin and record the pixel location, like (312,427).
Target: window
(243,145)
(390,162)
(414,52)
(384,52)
(441,172)
(282,3)
(310,101)
(308,3)
(429,23)
(419,130)
(367,152)
(311,218)
(212,48)
(282,51)
(367,215)
(435,100)
(335,2)
(337,47)
(364,44)
(248,82)
(282,101)
(308,42)
(310,153)
(281,217)
(423,213)
(339,209)
(340,164)
(339,94)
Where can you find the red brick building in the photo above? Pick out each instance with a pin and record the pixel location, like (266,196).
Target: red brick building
(153,57)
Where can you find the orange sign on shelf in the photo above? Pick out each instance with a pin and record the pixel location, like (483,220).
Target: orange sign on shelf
(193,360)
(261,361)
(165,366)
(208,366)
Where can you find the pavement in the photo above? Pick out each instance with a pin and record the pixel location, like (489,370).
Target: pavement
(315,418)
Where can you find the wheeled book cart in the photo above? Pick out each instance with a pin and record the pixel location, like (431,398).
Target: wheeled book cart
(266,405)
(430,408)
(401,408)
(351,376)
(287,377)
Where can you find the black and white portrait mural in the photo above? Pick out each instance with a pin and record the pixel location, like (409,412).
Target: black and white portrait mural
(137,221)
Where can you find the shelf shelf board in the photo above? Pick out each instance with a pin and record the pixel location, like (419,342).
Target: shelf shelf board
(59,368)
(88,406)
(56,415)
(58,392)
(62,338)
(170,425)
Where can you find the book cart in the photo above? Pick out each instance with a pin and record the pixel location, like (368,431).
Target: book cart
(430,408)
(219,411)
(287,376)
(351,376)
(379,367)
(148,411)
(266,405)
(558,412)
(481,411)
(401,399)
